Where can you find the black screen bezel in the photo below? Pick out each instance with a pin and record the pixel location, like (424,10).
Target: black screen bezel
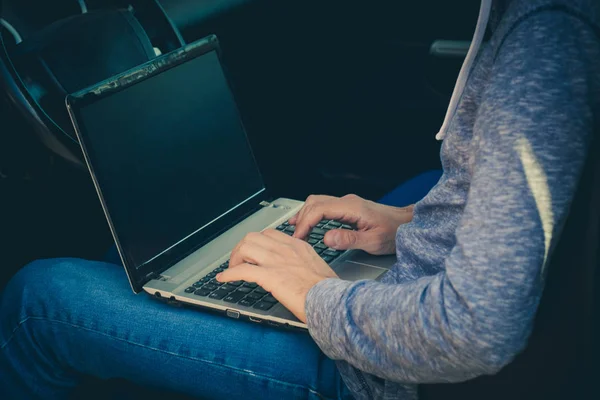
(142,274)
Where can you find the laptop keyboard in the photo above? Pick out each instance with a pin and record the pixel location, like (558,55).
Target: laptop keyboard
(249,294)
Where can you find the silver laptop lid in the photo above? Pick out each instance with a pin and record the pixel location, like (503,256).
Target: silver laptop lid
(169,157)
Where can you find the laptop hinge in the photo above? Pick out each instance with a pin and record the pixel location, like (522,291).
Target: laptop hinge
(155,276)
(272,205)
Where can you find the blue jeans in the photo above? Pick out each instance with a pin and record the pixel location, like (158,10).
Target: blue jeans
(67,318)
(62,320)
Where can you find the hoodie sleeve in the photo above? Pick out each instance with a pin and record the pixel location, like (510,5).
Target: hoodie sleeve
(530,139)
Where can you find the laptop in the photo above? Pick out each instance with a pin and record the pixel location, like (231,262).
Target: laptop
(180,187)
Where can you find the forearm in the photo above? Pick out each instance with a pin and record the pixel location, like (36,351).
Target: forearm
(415,333)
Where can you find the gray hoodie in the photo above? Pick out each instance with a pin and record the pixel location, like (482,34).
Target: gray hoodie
(461,299)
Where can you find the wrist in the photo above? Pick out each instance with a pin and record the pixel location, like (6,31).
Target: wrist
(404,215)
(325,314)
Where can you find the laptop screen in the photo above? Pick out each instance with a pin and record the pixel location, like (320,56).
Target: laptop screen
(170,156)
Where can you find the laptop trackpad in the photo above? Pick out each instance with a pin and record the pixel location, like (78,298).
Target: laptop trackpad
(349,271)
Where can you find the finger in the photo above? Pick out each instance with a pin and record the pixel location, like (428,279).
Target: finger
(343,239)
(292,221)
(248,252)
(270,239)
(234,259)
(243,272)
(310,201)
(310,216)
(317,198)
(338,209)
(278,237)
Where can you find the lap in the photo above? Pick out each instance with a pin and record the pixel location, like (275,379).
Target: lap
(87,318)
(102,328)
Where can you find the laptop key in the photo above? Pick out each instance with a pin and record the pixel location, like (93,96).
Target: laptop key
(321,246)
(254,296)
(319,225)
(328,228)
(209,286)
(234,297)
(250,285)
(229,288)
(280,227)
(244,290)
(269,299)
(327,259)
(218,294)
(202,292)
(312,242)
(236,283)
(316,236)
(347,227)
(263,305)
(291,228)
(247,302)
(288,233)
(319,231)
(198,284)
(260,291)
(335,223)
(318,250)
(191,289)
(332,252)
(215,282)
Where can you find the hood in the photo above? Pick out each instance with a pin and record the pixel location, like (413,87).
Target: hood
(485,12)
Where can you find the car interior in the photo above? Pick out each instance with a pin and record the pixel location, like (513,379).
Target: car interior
(337,97)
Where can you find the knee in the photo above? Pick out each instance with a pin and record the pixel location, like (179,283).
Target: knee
(41,274)
(37,284)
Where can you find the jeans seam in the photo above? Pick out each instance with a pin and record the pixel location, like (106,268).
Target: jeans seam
(12,334)
(238,370)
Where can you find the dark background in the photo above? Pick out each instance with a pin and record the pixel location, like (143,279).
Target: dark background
(337,97)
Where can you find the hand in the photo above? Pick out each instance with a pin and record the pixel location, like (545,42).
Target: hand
(285,266)
(376,224)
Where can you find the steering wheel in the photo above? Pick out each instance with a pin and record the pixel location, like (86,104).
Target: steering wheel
(73,53)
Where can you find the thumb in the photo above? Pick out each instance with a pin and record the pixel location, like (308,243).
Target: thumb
(342,239)
(242,272)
